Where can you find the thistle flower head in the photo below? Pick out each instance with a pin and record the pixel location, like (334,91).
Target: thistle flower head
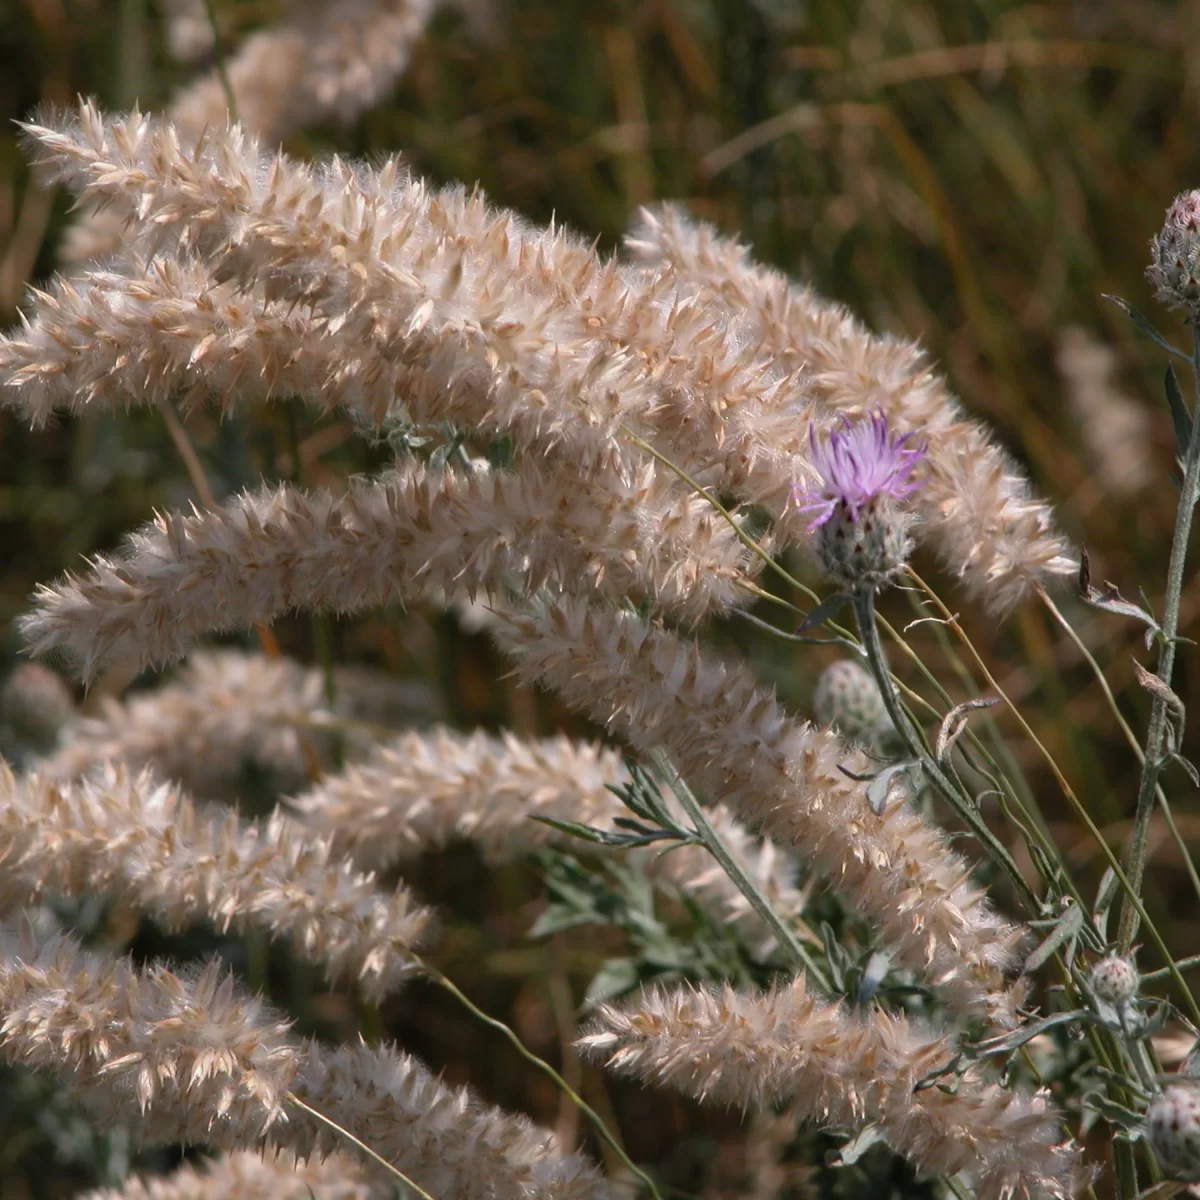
(865,470)
(862,462)
(1175,255)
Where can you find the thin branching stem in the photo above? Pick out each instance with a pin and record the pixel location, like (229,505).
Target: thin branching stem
(1156,737)
(528,1055)
(1126,731)
(963,805)
(717,848)
(394,1171)
(1073,800)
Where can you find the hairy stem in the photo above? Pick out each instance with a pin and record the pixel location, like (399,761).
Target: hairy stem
(1156,738)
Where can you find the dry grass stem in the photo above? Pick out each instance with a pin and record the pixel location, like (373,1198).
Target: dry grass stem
(223,712)
(188,575)
(178,1058)
(441,1137)
(203,1063)
(329,60)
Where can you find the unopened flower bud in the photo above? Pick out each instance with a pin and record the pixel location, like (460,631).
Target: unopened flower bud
(1115,980)
(35,703)
(1173,1130)
(867,550)
(848,698)
(1175,255)
(862,531)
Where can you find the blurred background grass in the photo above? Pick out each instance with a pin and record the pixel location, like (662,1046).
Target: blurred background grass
(973,173)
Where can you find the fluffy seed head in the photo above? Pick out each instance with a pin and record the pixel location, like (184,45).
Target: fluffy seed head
(1175,255)
(1115,980)
(1173,1129)
(865,471)
(848,697)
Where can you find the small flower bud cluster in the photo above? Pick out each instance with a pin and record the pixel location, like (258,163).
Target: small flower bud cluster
(1115,981)
(1173,1130)
(848,698)
(1175,255)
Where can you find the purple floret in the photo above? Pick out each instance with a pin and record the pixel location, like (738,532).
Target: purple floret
(861,462)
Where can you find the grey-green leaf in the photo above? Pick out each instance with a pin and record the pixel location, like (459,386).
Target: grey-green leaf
(1180,417)
(1068,927)
(1144,325)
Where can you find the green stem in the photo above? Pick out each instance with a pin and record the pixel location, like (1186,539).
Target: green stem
(395,1172)
(219,57)
(963,805)
(1127,732)
(322,630)
(1157,735)
(1181,964)
(736,872)
(592,1115)
(1073,800)
(1125,1169)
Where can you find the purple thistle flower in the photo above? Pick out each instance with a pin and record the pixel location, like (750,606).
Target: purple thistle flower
(861,462)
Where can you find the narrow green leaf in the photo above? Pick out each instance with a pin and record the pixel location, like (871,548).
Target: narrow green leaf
(587,833)
(1145,326)
(1105,895)
(1026,1033)
(1067,928)
(1180,417)
(829,607)
(1116,1114)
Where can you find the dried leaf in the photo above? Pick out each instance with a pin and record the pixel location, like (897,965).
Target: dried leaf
(955,722)
(1151,683)
(1110,600)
